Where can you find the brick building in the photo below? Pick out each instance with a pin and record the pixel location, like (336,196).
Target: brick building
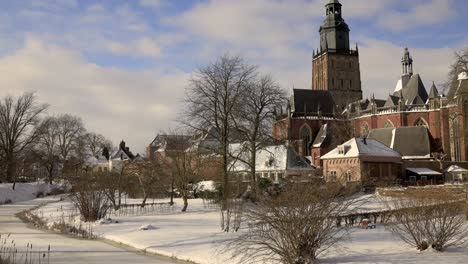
(333,111)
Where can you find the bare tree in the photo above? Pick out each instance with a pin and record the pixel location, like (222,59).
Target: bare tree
(70,130)
(428,219)
(293,228)
(152,178)
(253,119)
(47,146)
(96,143)
(19,120)
(460,65)
(212,96)
(183,165)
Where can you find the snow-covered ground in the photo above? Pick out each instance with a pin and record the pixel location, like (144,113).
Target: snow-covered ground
(196,236)
(25,191)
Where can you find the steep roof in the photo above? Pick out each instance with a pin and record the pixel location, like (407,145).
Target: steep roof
(411,142)
(271,158)
(391,101)
(357,147)
(458,87)
(414,92)
(312,100)
(322,139)
(434,92)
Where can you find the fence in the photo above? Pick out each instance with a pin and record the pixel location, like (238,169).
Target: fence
(137,210)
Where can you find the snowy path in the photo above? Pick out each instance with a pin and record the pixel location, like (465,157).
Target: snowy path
(65,249)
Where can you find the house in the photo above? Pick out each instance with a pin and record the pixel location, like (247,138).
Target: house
(456,173)
(273,162)
(361,160)
(422,176)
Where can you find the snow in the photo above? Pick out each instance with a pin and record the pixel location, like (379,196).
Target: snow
(398,86)
(196,236)
(424,171)
(356,147)
(24,191)
(456,168)
(463,76)
(271,158)
(206,186)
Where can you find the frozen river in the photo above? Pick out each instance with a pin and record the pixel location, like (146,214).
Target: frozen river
(66,249)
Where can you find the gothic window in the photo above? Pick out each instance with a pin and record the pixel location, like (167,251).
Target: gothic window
(421,122)
(454,139)
(388,124)
(306,136)
(365,129)
(349,176)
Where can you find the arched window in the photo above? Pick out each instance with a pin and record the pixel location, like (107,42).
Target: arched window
(454,138)
(388,124)
(306,136)
(421,122)
(365,130)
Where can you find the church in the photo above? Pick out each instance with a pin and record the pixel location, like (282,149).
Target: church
(427,126)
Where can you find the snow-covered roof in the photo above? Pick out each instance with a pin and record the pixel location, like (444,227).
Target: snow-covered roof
(463,76)
(120,155)
(398,86)
(357,147)
(424,171)
(271,158)
(455,168)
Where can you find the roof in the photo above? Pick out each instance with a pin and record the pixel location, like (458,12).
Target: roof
(322,139)
(164,142)
(455,168)
(423,171)
(434,92)
(414,92)
(411,142)
(271,158)
(458,87)
(311,101)
(357,147)
(392,101)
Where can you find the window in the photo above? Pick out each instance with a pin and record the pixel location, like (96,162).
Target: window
(306,136)
(454,139)
(423,178)
(421,122)
(333,176)
(388,124)
(365,129)
(349,176)
(412,178)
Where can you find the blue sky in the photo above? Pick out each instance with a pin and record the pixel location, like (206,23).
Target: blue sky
(123,65)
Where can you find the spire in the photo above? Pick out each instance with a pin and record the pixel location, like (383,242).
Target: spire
(434,92)
(334,32)
(407,62)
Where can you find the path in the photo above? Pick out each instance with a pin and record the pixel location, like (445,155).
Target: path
(66,249)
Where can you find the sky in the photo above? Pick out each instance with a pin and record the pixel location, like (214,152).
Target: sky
(123,65)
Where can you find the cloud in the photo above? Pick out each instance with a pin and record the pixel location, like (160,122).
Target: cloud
(144,47)
(118,103)
(422,13)
(155,4)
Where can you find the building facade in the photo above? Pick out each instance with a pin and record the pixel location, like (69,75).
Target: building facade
(333,111)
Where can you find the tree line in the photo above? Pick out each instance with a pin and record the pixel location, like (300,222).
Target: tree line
(30,139)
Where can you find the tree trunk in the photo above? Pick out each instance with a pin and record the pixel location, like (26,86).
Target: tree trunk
(253,159)
(144,201)
(51,171)
(11,170)
(172,192)
(185,203)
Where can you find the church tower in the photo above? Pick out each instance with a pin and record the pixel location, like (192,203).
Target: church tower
(407,65)
(335,67)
